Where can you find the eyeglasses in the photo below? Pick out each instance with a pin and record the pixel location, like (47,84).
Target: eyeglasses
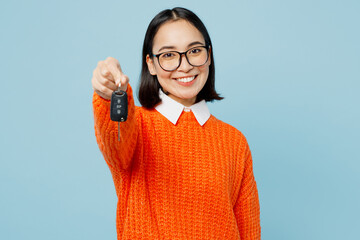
(196,57)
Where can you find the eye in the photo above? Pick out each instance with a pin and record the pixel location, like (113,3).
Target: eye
(167,55)
(195,50)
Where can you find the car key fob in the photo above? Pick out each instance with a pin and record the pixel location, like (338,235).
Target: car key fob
(119,106)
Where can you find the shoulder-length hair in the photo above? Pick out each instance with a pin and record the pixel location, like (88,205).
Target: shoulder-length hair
(149,84)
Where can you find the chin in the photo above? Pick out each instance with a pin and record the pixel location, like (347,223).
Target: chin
(188,95)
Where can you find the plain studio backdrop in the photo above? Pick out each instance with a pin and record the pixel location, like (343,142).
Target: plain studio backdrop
(289,72)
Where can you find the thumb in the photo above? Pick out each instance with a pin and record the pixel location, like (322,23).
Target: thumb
(114,68)
(124,81)
(117,77)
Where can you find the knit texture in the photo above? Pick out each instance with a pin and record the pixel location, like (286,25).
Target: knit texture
(182,181)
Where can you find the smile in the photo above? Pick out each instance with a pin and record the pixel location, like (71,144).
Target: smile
(186,79)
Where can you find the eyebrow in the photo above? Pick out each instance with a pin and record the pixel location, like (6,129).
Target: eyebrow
(172,47)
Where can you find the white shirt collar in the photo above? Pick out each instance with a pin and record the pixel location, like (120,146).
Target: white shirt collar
(172,110)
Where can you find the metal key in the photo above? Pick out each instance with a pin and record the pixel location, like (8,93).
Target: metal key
(119,107)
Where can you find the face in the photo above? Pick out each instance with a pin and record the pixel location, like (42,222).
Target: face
(184,83)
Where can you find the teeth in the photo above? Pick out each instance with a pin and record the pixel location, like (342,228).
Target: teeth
(185,80)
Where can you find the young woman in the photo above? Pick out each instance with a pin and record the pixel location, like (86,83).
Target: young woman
(179,172)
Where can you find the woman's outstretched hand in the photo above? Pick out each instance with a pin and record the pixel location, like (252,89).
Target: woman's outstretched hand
(107,76)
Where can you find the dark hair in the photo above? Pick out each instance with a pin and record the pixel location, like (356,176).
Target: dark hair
(149,85)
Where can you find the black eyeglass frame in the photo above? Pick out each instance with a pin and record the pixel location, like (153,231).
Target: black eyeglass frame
(207,47)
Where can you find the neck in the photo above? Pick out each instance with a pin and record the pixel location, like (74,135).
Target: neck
(186,102)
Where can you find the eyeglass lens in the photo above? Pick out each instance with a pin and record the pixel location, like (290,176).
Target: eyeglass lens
(196,57)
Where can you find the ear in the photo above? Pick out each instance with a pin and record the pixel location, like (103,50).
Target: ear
(151,65)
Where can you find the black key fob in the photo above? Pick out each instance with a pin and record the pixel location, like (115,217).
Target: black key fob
(119,106)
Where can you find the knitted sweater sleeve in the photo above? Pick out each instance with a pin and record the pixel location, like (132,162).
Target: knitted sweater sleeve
(118,155)
(247,208)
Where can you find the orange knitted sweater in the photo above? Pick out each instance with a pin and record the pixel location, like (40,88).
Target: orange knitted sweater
(182,181)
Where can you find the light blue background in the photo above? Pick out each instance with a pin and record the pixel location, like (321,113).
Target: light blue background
(289,72)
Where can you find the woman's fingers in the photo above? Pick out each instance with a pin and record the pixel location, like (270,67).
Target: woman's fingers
(101,89)
(113,66)
(107,76)
(112,69)
(106,80)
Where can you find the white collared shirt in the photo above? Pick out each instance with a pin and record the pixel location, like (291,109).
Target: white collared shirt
(172,110)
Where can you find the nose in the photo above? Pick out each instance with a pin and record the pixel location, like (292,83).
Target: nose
(184,64)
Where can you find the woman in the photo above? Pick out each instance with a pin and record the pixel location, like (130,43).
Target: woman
(179,172)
